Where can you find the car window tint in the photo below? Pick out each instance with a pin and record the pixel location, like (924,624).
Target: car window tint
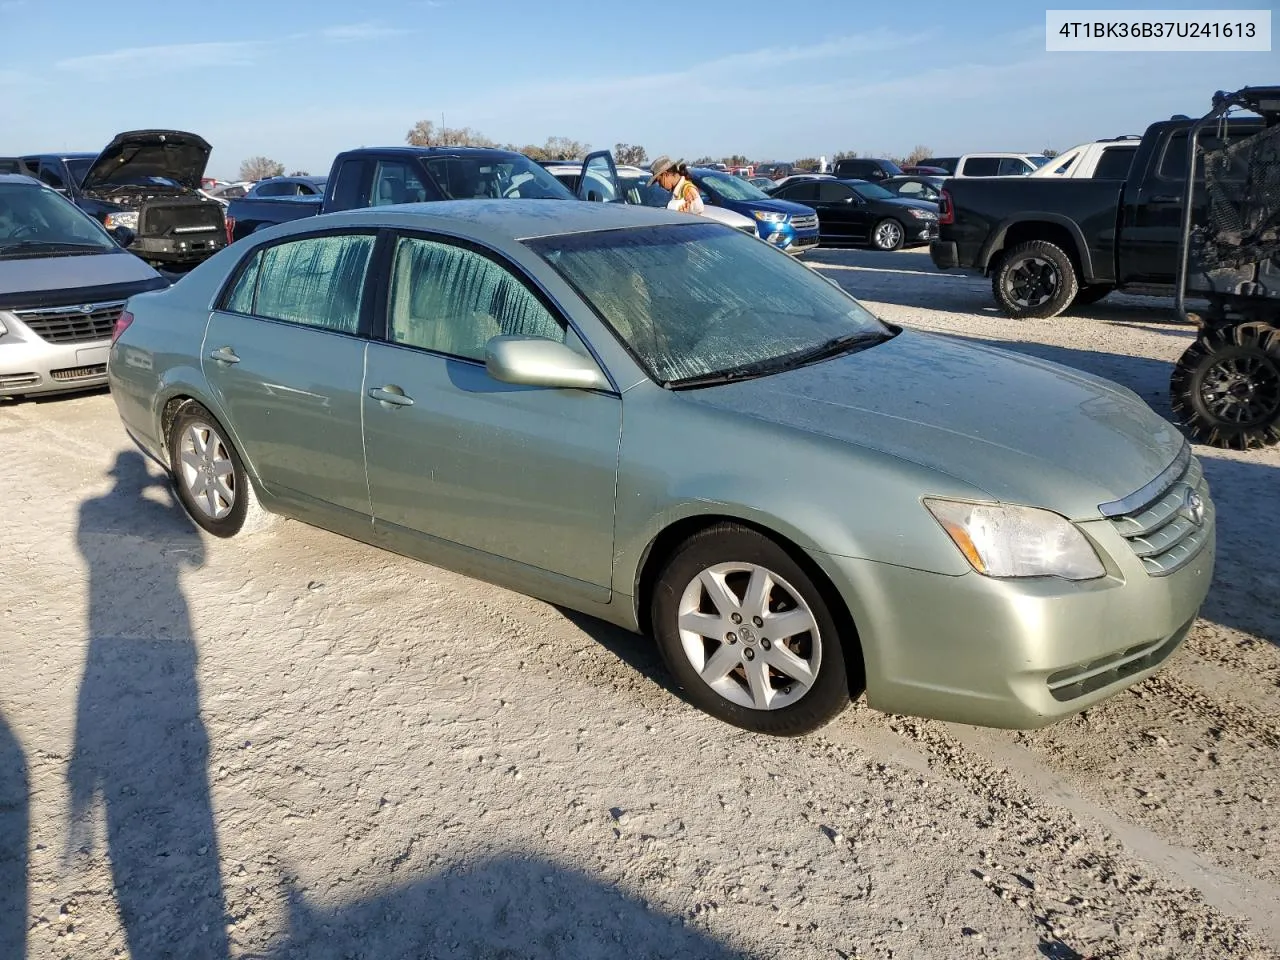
(1014,166)
(49,174)
(981,167)
(802,191)
(453,300)
(347,193)
(911,188)
(829,192)
(318,281)
(1173,164)
(395,181)
(1114,163)
(241,299)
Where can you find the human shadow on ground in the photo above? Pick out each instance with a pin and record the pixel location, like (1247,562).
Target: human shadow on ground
(141,750)
(14,831)
(507,908)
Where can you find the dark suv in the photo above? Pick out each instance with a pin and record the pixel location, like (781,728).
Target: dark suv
(863,168)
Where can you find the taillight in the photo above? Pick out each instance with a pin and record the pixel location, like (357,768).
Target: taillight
(231,226)
(122,324)
(946,211)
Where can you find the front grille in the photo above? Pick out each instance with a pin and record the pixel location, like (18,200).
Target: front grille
(9,381)
(1164,531)
(160,219)
(78,324)
(807,222)
(1085,678)
(79,373)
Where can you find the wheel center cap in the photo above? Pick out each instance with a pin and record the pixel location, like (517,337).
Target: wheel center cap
(748,635)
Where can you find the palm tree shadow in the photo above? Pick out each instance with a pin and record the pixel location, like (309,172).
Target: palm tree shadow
(507,908)
(14,830)
(141,750)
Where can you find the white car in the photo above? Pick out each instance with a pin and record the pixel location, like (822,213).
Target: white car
(1100,160)
(636,190)
(989,164)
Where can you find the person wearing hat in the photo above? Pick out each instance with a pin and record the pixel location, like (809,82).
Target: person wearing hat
(673,176)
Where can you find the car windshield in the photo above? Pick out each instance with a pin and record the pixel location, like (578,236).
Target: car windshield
(36,219)
(698,300)
(871,191)
(470,178)
(730,187)
(78,168)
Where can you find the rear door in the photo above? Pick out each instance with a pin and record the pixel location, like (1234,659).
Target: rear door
(284,356)
(599,179)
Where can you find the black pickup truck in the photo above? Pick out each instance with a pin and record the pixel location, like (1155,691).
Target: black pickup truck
(144,187)
(1048,243)
(374,176)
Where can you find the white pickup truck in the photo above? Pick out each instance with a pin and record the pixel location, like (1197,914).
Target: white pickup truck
(1101,160)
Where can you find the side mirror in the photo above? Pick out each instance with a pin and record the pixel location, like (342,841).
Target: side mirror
(122,235)
(539,362)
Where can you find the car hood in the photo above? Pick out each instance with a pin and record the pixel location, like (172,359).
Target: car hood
(24,281)
(904,202)
(773,206)
(174,154)
(1021,429)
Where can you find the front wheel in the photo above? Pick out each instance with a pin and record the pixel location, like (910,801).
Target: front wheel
(747,634)
(1034,280)
(888,235)
(1225,390)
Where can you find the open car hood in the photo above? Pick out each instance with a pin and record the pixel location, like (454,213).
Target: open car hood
(139,154)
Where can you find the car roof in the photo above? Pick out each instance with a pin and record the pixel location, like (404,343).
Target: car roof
(509,219)
(19,178)
(432,151)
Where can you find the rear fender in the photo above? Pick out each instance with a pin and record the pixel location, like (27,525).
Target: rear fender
(996,240)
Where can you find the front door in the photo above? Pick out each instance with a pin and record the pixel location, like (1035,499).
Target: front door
(284,356)
(523,473)
(840,207)
(599,179)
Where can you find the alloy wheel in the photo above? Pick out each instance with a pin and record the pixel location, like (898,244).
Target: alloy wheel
(1032,282)
(1242,390)
(206,470)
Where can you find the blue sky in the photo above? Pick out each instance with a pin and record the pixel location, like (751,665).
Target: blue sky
(299,82)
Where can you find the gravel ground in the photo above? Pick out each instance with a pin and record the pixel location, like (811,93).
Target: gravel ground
(296,746)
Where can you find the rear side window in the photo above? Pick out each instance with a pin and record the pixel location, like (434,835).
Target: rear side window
(981,167)
(1114,163)
(241,299)
(316,281)
(396,181)
(452,300)
(49,174)
(347,191)
(1173,164)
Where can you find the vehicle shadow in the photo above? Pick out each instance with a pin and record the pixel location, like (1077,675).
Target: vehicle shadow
(507,908)
(14,833)
(638,652)
(914,260)
(141,749)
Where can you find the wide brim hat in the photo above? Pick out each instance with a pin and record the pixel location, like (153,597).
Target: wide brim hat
(661,166)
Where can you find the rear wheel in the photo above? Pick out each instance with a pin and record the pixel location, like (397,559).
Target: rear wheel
(1034,280)
(748,635)
(1225,389)
(209,476)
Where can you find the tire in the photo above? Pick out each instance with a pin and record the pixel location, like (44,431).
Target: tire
(1092,294)
(1225,390)
(752,693)
(1034,281)
(888,234)
(231,505)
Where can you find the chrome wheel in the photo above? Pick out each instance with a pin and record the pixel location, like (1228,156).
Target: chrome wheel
(1032,282)
(750,636)
(206,470)
(888,235)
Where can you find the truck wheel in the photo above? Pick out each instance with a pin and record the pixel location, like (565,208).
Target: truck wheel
(1092,294)
(1225,390)
(1034,280)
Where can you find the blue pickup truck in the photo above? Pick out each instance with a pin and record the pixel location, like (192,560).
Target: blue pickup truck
(374,176)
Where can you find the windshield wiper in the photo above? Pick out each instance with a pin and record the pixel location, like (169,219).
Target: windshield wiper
(830,348)
(46,244)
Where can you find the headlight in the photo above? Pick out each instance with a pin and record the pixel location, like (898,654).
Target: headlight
(922,214)
(768,216)
(124,218)
(1006,541)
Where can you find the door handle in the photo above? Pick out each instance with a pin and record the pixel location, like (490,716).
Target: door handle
(224,355)
(391,395)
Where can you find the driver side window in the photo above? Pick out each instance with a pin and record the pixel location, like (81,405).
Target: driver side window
(452,300)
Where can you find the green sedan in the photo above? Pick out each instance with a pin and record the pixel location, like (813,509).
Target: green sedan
(668,425)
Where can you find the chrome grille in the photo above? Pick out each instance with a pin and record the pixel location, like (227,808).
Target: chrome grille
(806,222)
(1159,522)
(77,324)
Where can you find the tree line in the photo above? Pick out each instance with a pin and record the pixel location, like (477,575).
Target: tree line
(426,134)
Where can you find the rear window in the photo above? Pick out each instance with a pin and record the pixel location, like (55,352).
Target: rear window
(981,167)
(1173,162)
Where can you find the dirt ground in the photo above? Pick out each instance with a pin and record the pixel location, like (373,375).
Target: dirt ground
(295,746)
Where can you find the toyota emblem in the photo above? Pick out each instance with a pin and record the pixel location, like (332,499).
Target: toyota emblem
(1193,508)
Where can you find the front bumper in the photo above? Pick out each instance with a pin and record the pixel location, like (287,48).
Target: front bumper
(786,237)
(191,249)
(32,366)
(1016,654)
